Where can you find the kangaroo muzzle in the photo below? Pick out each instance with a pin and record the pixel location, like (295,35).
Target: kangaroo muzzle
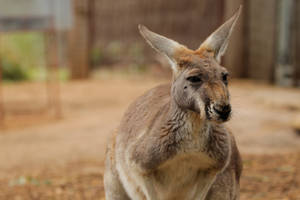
(218,112)
(223,111)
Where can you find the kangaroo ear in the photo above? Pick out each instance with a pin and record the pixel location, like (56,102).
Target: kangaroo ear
(217,42)
(162,44)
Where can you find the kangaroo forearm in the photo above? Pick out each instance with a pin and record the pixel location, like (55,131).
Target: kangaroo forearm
(150,155)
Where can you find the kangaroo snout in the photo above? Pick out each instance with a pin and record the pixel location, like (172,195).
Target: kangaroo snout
(223,111)
(218,112)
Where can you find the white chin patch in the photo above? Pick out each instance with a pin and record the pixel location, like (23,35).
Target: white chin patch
(214,115)
(201,107)
(211,107)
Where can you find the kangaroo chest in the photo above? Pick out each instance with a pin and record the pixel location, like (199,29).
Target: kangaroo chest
(185,176)
(190,173)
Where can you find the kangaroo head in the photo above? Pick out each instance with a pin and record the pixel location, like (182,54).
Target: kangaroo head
(199,81)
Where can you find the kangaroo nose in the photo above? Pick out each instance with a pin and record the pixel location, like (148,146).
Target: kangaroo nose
(223,111)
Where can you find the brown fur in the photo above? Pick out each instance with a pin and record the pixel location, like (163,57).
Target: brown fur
(153,151)
(171,143)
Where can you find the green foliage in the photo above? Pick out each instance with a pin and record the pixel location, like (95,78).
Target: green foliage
(96,56)
(116,52)
(111,54)
(28,180)
(13,71)
(136,55)
(22,56)
(27,49)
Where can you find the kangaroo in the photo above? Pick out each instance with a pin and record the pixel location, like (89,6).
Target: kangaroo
(172,143)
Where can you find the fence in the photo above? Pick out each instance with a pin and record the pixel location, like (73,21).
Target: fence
(252,51)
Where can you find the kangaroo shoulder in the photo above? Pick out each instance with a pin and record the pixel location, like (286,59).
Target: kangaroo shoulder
(144,111)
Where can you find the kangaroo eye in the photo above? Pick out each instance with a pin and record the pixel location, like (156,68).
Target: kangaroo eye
(194,79)
(225,78)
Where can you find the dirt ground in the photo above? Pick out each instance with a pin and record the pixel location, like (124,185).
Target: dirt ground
(46,158)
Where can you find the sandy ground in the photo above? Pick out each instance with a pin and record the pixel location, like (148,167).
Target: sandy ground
(38,149)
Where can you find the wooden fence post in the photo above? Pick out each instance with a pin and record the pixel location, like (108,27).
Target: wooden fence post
(284,67)
(53,85)
(1,90)
(1,98)
(297,42)
(79,44)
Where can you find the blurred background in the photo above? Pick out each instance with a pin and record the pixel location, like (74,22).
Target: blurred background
(70,68)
